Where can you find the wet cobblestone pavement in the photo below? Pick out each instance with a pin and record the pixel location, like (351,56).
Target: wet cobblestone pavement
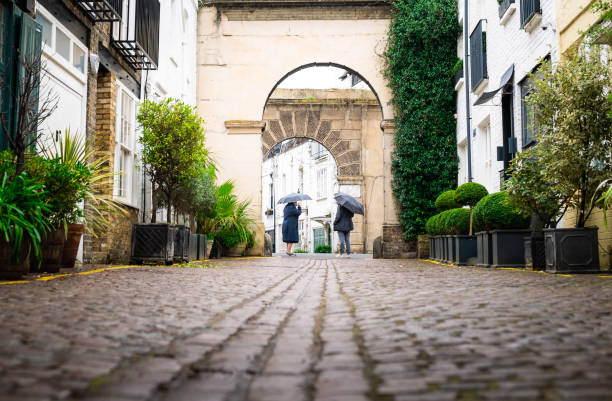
(307,329)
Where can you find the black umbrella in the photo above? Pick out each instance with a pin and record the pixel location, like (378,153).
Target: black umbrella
(294,197)
(349,202)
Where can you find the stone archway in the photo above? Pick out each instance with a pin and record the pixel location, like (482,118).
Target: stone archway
(246,47)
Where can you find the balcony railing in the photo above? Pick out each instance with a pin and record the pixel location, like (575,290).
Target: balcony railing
(102,10)
(529,8)
(478,60)
(503,7)
(137,39)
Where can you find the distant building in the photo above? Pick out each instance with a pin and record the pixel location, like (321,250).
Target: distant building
(304,166)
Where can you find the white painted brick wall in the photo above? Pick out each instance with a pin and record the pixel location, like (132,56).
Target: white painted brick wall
(506,45)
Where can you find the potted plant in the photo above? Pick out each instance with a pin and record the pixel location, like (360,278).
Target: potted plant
(444,201)
(573,128)
(462,247)
(505,228)
(66,185)
(22,222)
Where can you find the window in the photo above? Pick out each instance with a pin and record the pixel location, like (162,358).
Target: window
(271,196)
(322,183)
(318,151)
(529,9)
(526,127)
(478,48)
(124,140)
(504,6)
(62,44)
(78,58)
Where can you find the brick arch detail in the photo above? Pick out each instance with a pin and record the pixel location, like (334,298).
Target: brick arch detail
(307,124)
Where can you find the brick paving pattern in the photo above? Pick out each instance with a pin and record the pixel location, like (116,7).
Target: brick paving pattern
(307,329)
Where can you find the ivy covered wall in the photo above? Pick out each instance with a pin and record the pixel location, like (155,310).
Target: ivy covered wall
(421,53)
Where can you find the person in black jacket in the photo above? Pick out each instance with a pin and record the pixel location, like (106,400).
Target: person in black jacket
(343,224)
(291,235)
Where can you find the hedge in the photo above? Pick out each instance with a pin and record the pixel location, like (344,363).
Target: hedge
(449,222)
(495,212)
(470,193)
(419,59)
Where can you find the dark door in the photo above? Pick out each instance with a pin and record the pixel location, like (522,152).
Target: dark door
(508,125)
(7,70)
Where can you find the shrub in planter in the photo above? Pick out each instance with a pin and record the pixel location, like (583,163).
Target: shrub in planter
(322,248)
(446,200)
(456,221)
(469,194)
(461,246)
(496,211)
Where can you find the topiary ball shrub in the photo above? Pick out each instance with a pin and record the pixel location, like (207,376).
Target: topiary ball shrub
(456,221)
(446,200)
(495,212)
(470,193)
(432,226)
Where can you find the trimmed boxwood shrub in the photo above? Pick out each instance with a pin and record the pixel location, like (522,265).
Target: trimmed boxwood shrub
(470,193)
(449,222)
(432,226)
(495,211)
(446,200)
(322,248)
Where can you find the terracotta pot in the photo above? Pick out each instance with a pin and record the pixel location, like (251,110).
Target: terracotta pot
(52,247)
(238,250)
(71,246)
(13,267)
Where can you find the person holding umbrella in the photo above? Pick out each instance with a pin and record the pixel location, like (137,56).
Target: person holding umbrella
(291,213)
(343,223)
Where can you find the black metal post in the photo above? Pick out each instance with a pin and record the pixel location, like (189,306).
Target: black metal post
(466,72)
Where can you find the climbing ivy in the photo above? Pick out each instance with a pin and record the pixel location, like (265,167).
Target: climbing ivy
(420,56)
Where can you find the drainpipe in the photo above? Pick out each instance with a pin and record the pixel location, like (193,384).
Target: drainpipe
(466,70)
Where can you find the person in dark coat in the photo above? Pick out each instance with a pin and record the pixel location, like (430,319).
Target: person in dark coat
(343,224)
(290,225)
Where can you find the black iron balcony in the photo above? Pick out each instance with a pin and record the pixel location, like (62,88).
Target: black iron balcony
(529,9)
(138,35)
(478,58)
(503,7)
(102,10)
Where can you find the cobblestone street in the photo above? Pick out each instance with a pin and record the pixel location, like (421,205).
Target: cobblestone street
(290,329)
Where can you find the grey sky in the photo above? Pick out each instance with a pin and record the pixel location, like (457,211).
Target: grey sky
(319,78)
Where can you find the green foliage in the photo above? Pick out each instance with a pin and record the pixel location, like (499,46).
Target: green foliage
(22,212)
(420,56)
(173,150)
(470,193)
(300,251)
(601,32)
(572,125)
(228,238)
(496,211)
(66,185)
(458,67)
(605,199)
(229,215)
(446,200)
(449,222)
(73,150)
(322,248)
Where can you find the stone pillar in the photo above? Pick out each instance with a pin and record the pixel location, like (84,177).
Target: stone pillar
(393,244)
(252,176)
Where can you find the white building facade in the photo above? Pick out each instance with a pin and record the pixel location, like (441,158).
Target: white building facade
(507,41)
(304,166)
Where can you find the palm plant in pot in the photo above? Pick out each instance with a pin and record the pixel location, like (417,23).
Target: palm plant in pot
(89,206)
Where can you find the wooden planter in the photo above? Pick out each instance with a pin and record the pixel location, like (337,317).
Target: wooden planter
(71,246)
(571,250)
(52,246)
(14,267)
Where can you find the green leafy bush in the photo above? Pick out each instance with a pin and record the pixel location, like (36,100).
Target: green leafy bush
(300,251)
(420,56)
(446,200)
(470,193)
(228,238)
(456,221)
(432,225)
(323,248)
(22,212)
(458,67)
(495,211)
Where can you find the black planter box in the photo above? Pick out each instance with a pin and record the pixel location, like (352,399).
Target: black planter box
(508,247)
(432,248)
(181,244)
(202,247)
(152,243)
(465,249)
(535,255)
(444,248)
(450,248)
(571,250)
(193,247)
(484,256)
(439,248)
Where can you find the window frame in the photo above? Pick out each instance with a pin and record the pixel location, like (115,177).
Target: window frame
(50,50)
(123,183)
(322,183)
